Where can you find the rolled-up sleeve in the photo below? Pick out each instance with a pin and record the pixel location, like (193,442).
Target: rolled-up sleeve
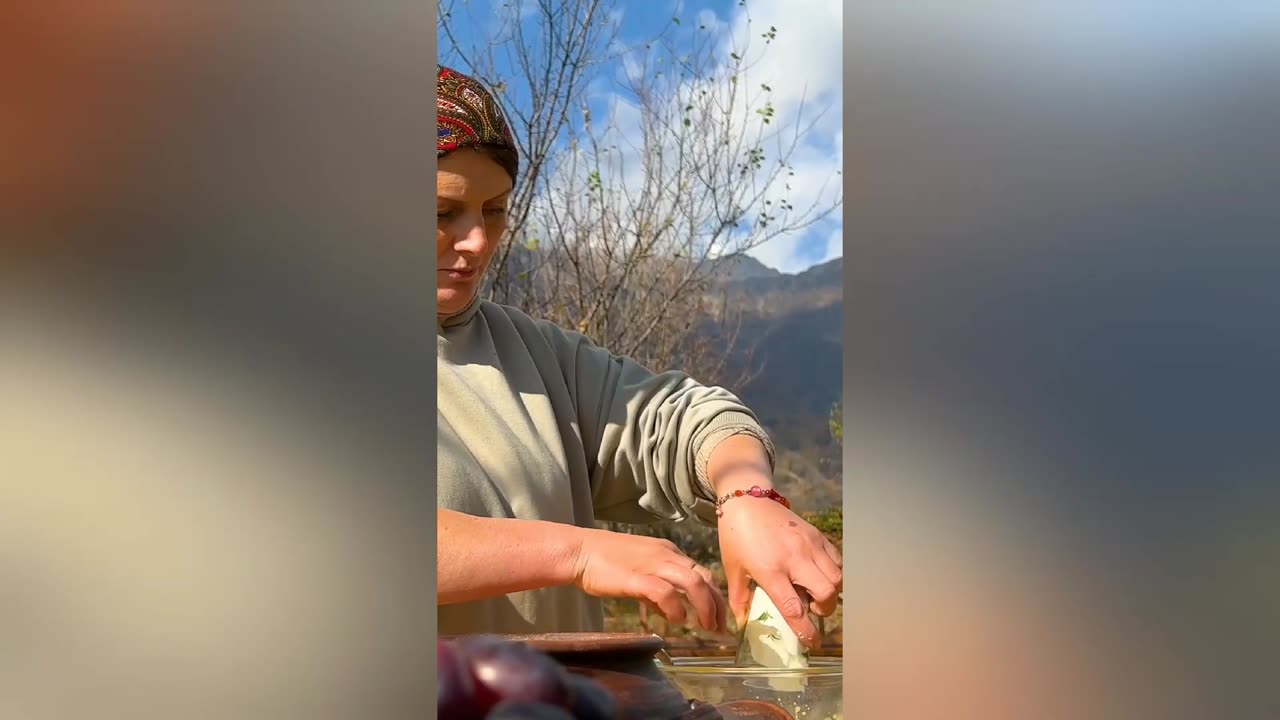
(648,436)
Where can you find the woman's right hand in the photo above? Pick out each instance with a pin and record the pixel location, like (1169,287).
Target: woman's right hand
(654,571)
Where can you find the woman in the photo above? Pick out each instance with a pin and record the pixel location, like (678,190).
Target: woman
(541,433)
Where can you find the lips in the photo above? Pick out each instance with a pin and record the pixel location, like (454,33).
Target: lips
(459,273)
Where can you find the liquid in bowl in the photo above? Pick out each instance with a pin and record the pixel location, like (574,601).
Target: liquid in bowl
(812,693)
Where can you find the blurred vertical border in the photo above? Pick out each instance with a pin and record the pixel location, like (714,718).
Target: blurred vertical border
(1061,403)
(217,389)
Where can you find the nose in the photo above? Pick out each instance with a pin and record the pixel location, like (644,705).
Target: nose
(472,237)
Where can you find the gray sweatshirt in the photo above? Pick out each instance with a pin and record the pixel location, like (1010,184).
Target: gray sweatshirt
(536,422)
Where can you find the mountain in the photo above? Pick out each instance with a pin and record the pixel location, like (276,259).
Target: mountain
(760,277)
(745,268)
(790,342)
(792,338)
(767,292)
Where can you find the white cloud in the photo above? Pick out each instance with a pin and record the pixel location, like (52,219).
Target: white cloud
(788,254)
(711,21)
(835,245)
(802,64)
(803,60)
(781,254)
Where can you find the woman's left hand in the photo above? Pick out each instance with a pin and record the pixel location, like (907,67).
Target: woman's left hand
(762,540)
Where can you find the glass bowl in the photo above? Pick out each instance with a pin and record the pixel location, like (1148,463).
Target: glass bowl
(812,693)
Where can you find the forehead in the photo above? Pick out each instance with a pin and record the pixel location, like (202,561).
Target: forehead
(467,174)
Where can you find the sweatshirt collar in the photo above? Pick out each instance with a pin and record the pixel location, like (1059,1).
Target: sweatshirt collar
(462,317)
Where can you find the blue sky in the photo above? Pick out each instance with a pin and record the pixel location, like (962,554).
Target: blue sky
(804,61)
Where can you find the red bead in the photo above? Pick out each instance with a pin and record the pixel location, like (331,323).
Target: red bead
(737,493)
(755,491)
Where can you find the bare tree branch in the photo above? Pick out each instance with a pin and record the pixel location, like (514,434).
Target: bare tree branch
(624,217)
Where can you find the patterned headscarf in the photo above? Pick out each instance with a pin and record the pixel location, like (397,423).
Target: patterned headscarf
(469,116)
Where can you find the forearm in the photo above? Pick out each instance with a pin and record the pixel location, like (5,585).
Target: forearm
(479,557)
(737,463)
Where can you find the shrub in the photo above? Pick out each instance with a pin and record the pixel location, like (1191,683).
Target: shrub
(830,522)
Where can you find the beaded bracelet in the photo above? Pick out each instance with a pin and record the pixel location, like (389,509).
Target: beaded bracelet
(755,491)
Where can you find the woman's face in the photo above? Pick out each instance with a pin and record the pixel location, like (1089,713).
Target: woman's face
(471,214)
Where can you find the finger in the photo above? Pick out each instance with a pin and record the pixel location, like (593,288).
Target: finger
(654,609)
(739,595)
(828,567)
(670,547)
(700,593)
(661,594)
(722,607)
(822,593)
(794,610)
(833,553)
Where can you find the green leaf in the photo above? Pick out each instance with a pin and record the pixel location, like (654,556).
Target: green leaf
(764,617)
(532,244)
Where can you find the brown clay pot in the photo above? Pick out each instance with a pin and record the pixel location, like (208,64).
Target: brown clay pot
(623,663)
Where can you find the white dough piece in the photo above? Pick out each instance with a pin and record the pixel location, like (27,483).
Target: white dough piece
(772,643)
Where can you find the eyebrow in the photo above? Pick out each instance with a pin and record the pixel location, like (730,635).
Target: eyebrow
(457,201)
